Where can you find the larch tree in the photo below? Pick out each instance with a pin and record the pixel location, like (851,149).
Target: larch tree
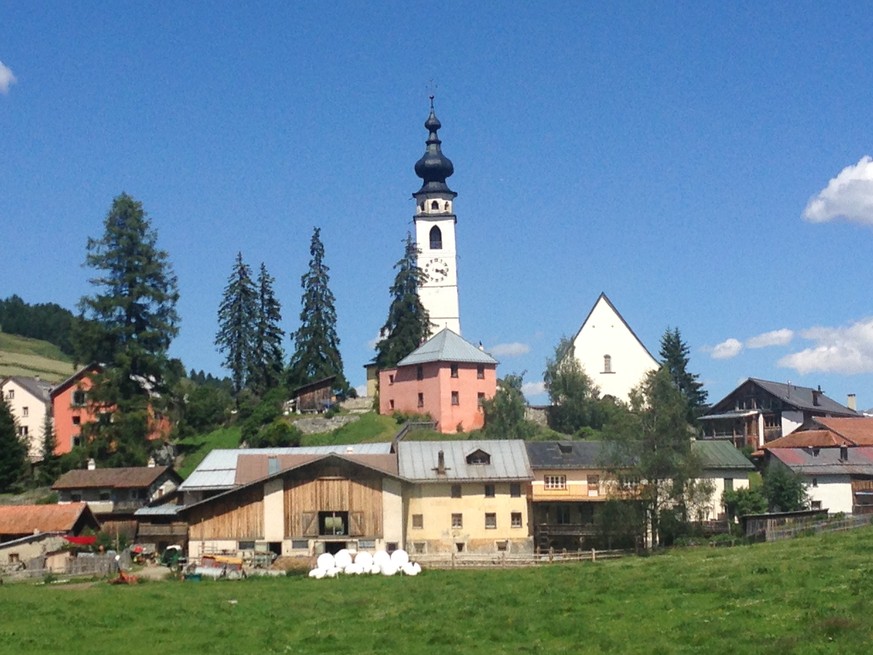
(674,357)
(13,451)
(237,318)
(131,321)
(268,357)
(316,344)
(649,448)
(408,323)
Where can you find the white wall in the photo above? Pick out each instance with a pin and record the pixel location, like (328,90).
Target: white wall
(605,333)
(791,420)
(20,401)
(834,492)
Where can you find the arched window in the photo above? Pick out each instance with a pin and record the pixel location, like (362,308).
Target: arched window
(434,205)
(436,238)
(446,207)
(607,364)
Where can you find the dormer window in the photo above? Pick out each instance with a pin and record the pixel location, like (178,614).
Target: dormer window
(565,448)
(478,456)
(436,238)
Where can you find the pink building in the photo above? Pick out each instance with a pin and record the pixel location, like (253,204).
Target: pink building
(446,377)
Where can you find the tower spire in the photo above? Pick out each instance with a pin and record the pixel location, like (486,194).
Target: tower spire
(434,167)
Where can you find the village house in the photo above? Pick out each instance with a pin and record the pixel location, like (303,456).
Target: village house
(759,411)
(465,496)
(839,479)
(446,378)
(300,503)
(115,494)
(610,352)
(29,532)
(726,469)
(72,407)
(29,400)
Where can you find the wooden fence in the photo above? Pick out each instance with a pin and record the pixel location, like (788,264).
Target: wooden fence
(501,560)
(815,526)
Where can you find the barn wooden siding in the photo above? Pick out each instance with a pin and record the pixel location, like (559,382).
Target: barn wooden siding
(334,491)
(237,516)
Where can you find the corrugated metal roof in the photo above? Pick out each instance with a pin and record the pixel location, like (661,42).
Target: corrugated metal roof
(159,510)
(508,460)
(720,455)
(446,346)
(218,468)
(826,461)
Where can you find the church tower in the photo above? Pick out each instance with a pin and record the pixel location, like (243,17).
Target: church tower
(435,233)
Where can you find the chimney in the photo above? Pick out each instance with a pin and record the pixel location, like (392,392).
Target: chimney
(272,465)
(852,402)
(816,394)
(92,464)
(844,453)
(151,463)
(441,463)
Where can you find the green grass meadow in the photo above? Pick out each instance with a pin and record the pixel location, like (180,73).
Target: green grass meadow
(810,595)
(32,357)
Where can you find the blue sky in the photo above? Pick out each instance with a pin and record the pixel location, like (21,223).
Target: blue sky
(704,165)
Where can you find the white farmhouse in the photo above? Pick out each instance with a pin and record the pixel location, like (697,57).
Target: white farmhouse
(28,400)
(612,355)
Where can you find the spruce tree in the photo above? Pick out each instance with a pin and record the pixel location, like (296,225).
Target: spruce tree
(237,319)
(267,356)
(13,451)
(131,321)
(674,357)
(49,466)
(408,323)
(316,344)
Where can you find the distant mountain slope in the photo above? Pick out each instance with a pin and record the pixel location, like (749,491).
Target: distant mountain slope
(32,357)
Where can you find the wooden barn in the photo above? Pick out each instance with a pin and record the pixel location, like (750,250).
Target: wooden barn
(314,397)
(301,505)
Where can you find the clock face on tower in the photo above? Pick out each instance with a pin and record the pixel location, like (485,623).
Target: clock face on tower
(437,270)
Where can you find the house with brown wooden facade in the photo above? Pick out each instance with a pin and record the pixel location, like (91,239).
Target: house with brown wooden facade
(759,411)
(115,494)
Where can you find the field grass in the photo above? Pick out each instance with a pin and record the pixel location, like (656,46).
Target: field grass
(810,595)
(32,357)
(370,427)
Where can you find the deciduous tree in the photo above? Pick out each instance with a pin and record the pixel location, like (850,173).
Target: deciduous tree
(784,489)
(649,447)
(504,413)
(575,399)
(408,323)
(316,344)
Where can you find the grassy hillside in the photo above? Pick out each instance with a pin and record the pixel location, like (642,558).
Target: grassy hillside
(31,357)
(810,595)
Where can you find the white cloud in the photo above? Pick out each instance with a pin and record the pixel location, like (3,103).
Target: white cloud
(849,195)
(533,388)
(513,349)
(774,338)
(846,350)
(361,390)
(7,78)
(726,349)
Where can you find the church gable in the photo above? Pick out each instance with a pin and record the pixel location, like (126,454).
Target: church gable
(610,352)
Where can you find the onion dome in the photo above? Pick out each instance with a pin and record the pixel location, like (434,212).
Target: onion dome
(434,167)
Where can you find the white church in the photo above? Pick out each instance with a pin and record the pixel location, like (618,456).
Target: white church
(610,352)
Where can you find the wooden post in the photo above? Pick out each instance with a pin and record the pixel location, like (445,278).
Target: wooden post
(593,555)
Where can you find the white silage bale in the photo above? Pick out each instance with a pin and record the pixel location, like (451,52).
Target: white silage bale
(325,561)
(343,558)
(364,558)
(399,557)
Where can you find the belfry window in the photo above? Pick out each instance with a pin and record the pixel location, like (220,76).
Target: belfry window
(436,238)
(434,205)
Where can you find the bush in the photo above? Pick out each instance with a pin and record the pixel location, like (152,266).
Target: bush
(278,434)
